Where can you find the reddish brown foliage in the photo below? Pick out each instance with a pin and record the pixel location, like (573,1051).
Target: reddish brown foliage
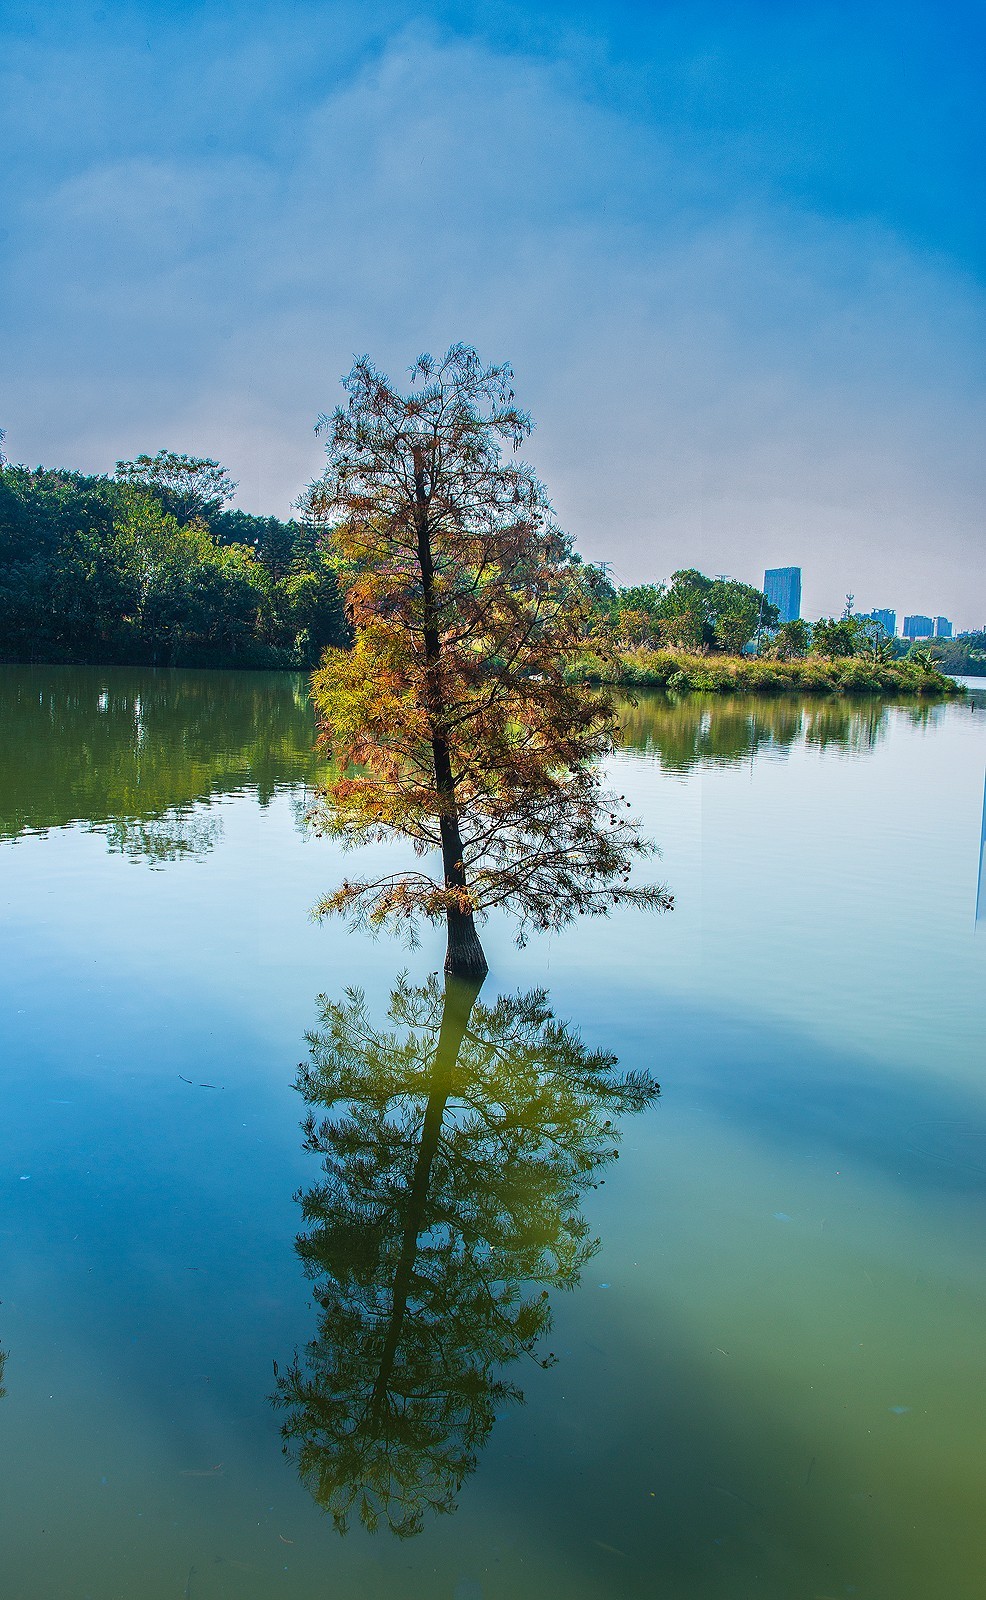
(453,720)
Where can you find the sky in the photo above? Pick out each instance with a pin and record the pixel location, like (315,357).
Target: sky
(734,252)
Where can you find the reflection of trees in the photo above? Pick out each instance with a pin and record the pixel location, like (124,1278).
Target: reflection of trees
(457,1142)
(132,751)
(708,729)
(844,725)
(721,730)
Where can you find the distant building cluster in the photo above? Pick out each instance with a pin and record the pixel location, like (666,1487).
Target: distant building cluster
(919,627)
(916,627)
(886,619)
(782,587)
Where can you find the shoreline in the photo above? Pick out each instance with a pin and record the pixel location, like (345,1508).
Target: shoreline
(675,672)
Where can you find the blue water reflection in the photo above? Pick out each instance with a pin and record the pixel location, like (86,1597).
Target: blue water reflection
(768,1380)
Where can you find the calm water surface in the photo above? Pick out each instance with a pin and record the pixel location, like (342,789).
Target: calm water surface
(225,1333)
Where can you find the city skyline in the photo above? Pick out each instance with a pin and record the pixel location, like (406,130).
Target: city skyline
(782,586)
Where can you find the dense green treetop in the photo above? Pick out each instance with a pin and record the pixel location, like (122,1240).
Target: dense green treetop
(188,486)
(693,611)
(838,637)
(791,640)
(148,568)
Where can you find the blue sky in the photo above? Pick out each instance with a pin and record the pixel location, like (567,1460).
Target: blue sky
(735,252)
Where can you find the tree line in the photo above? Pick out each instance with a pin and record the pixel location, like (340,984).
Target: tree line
(967,654)
(722,616)
(151,567)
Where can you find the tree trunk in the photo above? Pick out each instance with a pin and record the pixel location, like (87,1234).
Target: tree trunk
(464,956)
(460,997)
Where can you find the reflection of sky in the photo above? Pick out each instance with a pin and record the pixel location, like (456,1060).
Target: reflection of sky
(789,1241)
(829,890)
(977,699)
(981,896)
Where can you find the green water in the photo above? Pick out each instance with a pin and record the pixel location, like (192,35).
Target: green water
(766,1382)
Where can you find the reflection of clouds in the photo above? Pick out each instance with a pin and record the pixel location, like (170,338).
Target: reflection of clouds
(457,1141)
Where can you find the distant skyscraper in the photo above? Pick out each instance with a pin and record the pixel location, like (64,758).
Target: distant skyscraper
(918,628)
(943,628)
(886,619)
(782,586)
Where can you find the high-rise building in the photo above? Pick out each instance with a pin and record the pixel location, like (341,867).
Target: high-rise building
(943,628)
(918,628)
(886,619)
(782,586)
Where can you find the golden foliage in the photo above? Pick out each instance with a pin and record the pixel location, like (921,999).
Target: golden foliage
(455,720)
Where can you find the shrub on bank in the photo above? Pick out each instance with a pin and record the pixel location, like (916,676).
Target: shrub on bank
(683,670)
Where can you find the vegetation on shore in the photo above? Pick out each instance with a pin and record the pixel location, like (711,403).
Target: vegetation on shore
(148,568)
(717,636)
(682,671)
(966,655)
(152,567)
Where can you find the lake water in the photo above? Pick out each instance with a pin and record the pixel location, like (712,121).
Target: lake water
(768,1380)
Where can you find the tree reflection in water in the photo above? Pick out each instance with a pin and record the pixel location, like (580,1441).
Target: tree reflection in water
(143,757)
(703,730)
(138,755)
(457,1142)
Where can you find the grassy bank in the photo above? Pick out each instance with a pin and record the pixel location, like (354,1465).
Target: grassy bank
(684,670)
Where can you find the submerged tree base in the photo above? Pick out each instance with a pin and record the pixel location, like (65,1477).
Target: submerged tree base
(683,670)
(464,957)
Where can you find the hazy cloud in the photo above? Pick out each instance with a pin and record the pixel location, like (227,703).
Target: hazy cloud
(721,376)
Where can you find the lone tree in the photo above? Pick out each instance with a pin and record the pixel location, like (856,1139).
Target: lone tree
(453,719)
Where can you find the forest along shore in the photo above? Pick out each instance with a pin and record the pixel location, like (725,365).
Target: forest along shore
(152,568)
